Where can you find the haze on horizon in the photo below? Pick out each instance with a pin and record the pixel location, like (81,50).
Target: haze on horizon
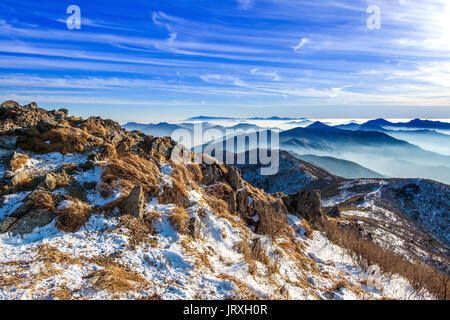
(165,60)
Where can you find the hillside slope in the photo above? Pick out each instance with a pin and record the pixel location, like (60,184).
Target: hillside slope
(91,211)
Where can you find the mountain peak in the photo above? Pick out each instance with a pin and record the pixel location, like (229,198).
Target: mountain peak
(318,125)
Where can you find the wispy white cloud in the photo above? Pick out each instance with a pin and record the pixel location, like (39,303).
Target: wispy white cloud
(157,17)
(274,75)
(301,44)
(245,4)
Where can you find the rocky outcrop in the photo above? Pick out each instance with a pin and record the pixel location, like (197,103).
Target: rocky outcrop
(36,217)
(27,217)
(134,203)
(307,204)
(234,178)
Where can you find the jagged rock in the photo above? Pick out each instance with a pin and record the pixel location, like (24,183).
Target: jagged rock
(234,178)
(25,207)
(69,168)
(47,124)
(257,248)
(20,180)
(134,203)
(64,111)
(51,181)
(212,173)
(76,190)
(8,141)
(32,105)
(9,104)
(90,185)
(88,165)
(36,217)
(334,212)
(194,227)
(307,204)
(156,147)
(16,116)
(238,202)
(6,223)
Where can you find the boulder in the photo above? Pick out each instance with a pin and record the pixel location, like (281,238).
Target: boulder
(36,217)
(17,116)
(76,190)
(8,141)
(134,203)
(334,212)
(20,181)
(32,105)
(21,211)
(307,204)
(212,173)
(194,227)
(64,112)
(6,223)
(234,178)
(47,124)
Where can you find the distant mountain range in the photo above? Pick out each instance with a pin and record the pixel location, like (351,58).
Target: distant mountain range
(419,132)
(207,118)
(385,124)
(372,149)
(375,149)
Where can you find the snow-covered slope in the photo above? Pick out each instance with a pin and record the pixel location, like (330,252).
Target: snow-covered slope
(91,211)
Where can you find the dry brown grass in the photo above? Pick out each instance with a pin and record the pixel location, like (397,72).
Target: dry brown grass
(129,171)
(51,255)
(116,279)
(94,128)
(243,292)
(195,172)
(366,253)
(337,286)
(43,199)
(64,140)
(61,293)
(272,223)
(179,219)
(219,191)
(309,231)
(18,161)
(218,206)
(73,217)
(139,231)
(177,193)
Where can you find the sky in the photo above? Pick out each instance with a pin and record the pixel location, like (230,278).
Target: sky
(150,61)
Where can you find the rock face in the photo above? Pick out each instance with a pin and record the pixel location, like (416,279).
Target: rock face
(36,217)
(18,181)
(134,203)
(234,178)
(26,217)
(307,204)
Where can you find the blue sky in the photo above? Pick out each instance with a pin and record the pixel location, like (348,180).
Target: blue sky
(150,61)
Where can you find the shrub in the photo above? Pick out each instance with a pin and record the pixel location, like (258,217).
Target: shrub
(43,199)
(179,219)
(73,216)
(366,253)
(129,171)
